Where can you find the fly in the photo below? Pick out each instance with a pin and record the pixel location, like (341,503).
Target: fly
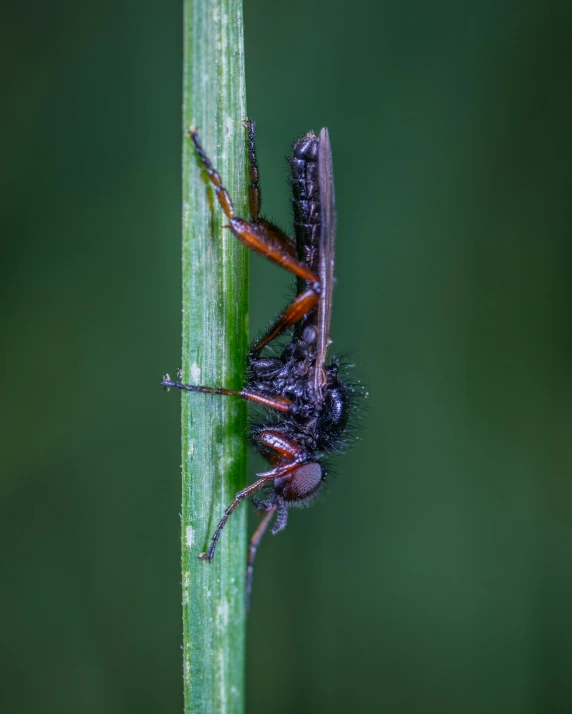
(307,403)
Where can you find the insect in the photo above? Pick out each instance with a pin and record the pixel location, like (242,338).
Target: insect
(307,403)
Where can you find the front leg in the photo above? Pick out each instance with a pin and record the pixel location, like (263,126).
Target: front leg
(283,470)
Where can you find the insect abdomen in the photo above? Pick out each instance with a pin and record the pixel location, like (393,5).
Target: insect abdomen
(306,198)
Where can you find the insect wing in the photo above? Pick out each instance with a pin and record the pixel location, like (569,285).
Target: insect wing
(326,250)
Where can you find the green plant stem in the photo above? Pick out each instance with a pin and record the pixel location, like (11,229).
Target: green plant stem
(215,336)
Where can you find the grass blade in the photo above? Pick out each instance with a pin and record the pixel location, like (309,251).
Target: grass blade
(215,336)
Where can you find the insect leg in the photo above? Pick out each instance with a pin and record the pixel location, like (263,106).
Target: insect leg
(282,470)
(254,193)
(259,235)
(280,444)
(298,308)
(221,192)
(262,238)
(277,235)
(281,518)
(280,404)
(240,496)
(252,548)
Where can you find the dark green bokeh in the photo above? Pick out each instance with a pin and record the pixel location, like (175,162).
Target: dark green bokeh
(436,574)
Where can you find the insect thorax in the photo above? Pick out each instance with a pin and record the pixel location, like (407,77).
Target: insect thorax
(317,425)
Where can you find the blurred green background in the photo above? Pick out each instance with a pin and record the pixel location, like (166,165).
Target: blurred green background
(436,576)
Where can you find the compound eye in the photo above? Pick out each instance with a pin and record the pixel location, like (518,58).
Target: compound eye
(304,482)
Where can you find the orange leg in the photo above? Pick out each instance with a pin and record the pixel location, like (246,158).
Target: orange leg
(280,404)
(298,308)
(283,446)
(276,234)
(258,235)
